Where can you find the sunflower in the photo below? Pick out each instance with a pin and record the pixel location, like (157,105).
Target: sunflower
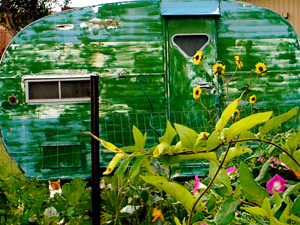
(197,92)
(236,114)
(198,57)
(252,99)
(261,68)
(238,62)
(219,69)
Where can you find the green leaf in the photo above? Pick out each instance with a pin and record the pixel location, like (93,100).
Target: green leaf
(222,176)
(263,172)
(291,190)
(139,138)
(147,165)
(122,168)
(292,143)
(284,158)
(213,141)
(267,207)
(135,169)
(285,214)
(252,190)
(187,136)
(200,144)
(226,115)
(169,134)
(105,144)
(161,149)
(245,135)
(296,207)
(256,211)
(113,163)
(274,221)
(177,222)
(276,121)
(234,152)
(247,123)
(226,212)
(277,204)
(177,191)
(130,149)
(295,218)
(167,160)
(71,212)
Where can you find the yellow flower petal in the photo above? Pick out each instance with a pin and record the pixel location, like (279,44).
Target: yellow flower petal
(156,214)
(261,68)
(219,69)
(197,92)
(198,57)
(238,62)
(252,99)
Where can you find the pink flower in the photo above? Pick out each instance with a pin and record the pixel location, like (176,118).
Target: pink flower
(204,224)
(274,160)
(277,183)
(232,171)
(260,159)
(198,185)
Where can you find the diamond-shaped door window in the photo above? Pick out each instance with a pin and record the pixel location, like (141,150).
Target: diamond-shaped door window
(189,44)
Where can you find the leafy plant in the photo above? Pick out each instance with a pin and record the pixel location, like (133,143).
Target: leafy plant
(249,191)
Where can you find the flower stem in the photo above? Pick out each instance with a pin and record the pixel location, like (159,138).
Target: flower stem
(210,183)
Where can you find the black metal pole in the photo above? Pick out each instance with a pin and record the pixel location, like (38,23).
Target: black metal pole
(95,149)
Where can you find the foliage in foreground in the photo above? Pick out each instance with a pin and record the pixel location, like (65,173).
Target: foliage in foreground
(253,193)
(28,202)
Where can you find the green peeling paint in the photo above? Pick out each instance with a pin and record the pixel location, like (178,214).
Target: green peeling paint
(120,41)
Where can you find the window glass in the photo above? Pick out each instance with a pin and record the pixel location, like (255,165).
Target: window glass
(67,88)
(75,89)
(190,43)
(43,90)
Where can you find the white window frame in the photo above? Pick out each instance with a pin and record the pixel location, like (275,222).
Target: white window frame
(190,34)
(45,78)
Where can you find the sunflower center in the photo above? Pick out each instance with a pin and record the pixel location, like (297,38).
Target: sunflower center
(197,92)
(197,57)
(253,99)
(260,69)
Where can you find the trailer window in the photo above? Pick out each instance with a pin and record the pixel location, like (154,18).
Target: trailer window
(67,89)
(189,44)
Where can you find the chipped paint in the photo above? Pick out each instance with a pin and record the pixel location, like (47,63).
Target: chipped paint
(120,41)
(96,23)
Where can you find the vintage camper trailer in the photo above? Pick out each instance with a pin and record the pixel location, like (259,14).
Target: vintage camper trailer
(45,74)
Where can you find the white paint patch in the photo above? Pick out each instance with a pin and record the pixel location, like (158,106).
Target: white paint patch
(98,60)
(96,8)
(97,24)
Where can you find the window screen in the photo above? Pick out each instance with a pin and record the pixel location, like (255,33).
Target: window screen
(39,90)
(75,89)
(43,90)
(190,43)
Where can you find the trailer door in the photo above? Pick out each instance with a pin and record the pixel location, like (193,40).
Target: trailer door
(185,36)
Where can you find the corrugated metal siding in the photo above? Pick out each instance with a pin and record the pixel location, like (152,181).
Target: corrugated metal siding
(283,6)
(118,54)
(257,34)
